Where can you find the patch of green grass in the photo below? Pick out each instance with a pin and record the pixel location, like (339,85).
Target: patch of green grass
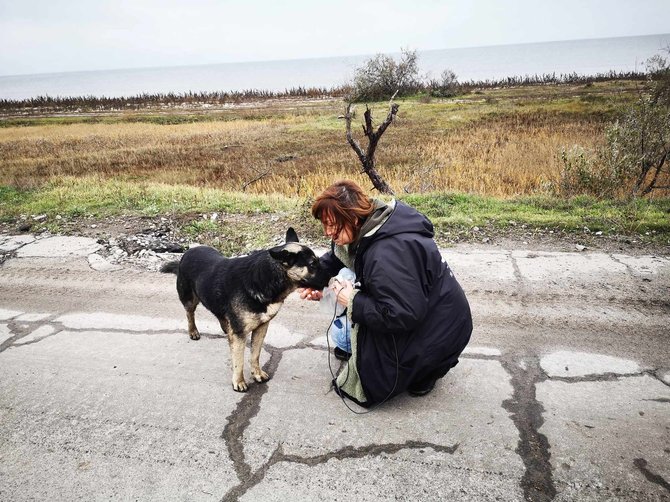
(608,216)
(103,197)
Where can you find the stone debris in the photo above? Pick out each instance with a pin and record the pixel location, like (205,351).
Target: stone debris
(148,249)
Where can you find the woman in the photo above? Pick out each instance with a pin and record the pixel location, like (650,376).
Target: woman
(409,316)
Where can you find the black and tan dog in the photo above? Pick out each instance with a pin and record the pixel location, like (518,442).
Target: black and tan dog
(244,293)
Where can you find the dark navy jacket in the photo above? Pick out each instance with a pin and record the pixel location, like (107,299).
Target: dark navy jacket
(409,305)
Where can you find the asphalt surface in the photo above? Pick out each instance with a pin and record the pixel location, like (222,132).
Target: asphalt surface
(563,393)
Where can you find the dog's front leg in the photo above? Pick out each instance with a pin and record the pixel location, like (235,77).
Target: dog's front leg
(257,337)
(236,342)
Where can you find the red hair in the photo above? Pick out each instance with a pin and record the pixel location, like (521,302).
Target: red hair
(346,203)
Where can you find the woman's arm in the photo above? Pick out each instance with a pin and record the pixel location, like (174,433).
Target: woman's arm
(396,286)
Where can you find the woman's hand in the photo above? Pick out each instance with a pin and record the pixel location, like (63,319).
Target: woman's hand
(310,294)
(344,291)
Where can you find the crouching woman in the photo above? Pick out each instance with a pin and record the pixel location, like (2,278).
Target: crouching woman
(409,317)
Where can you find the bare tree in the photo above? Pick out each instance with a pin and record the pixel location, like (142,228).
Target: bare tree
(367,158)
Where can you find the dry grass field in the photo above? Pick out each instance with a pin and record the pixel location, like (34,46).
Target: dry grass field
(490,158)
(500,143)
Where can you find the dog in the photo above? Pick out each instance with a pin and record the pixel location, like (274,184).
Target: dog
(244,293)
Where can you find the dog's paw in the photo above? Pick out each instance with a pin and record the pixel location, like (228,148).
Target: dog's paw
(261,376)
(240,386)
(195,335)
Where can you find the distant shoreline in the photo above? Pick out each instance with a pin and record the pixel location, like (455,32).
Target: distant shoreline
(99,104)
(474,64)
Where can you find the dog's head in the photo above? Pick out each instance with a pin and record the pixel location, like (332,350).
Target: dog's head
(302,266)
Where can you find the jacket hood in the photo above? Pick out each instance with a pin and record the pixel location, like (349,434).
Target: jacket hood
(402,220)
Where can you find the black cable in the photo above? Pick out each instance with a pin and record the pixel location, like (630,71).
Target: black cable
(338,390)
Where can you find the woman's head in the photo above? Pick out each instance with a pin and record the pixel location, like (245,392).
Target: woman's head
(342,208)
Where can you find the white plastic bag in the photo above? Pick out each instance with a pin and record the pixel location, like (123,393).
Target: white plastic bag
(328,303)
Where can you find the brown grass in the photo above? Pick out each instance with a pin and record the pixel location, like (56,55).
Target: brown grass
(498,143)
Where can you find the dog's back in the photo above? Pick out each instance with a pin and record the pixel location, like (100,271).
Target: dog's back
(249,282)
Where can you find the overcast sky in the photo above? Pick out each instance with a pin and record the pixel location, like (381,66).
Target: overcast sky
(41,36)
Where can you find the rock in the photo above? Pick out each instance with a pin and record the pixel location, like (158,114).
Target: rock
(168,247)
(579,247)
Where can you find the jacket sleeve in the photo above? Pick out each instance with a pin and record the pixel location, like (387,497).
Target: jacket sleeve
(330,263)
(396,286)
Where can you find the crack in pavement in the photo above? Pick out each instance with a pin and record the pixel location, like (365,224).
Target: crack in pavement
(248,408)
(609,377)
(600,377)
(241,417)
(347,452)
(20,329)
(526,413)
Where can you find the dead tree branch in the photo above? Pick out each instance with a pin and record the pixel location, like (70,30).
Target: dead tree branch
(260,176)
(367,158)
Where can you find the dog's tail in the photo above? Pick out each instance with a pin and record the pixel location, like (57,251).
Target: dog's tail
(170,267)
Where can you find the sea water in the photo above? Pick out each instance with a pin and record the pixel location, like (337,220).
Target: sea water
(583,57)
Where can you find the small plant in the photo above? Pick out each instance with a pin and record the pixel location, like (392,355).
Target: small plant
(446,86)
(382,77)
(587,172)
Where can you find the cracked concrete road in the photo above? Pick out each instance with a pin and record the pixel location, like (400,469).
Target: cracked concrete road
(563,394)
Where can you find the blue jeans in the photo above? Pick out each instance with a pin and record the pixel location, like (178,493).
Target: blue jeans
(340,333)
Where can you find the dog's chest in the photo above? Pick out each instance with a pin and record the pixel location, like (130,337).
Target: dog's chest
(270,312)
(252,320)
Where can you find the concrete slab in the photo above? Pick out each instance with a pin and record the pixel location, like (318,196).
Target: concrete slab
(320,341)
(546,266)
(105,320)
(480,265)
(301,413)
(59,246)
(482,351)
(33,316)
(98,263)
(579,364)
(280,336)
(10,243)
(422,474)
(118,406)
(118,415)
(5,334)
(573,313)
(608,440)
(205,321)
(6,314)
(645,265)
(37,335)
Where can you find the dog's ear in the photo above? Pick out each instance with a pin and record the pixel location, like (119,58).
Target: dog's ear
(291,236)
(286,258)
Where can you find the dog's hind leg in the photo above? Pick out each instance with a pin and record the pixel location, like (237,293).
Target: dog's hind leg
(257,337)
(190,302)
(190,317)
(237,343)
